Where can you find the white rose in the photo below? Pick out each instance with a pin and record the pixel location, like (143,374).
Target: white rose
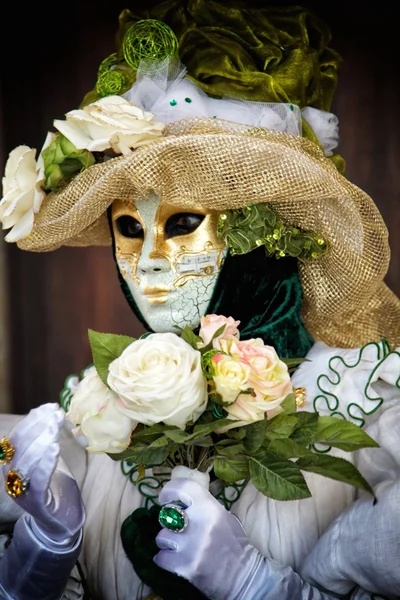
(111,122)
(159,379)
(22,192)
(95,413)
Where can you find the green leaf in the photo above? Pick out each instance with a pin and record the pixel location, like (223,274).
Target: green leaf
(304,432)
(335,468)
(231,470)
(148,433)
(255,435)
(288,406)
(177,435)
(191,338)
(209,346)
(160,442)
(204,442)
(236,434)
(277,478)
(293,363)
(281,426)
(288,449)
(229,451)
(206,428)
(106,347)
(343,434)
(144,455)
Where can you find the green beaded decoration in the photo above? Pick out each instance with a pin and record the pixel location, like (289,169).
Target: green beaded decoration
(110,83)
(146,39)
(245,229)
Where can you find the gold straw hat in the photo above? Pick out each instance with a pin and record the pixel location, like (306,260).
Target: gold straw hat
(221,165)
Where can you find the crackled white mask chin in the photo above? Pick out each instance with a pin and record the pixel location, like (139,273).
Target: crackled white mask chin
(170,259)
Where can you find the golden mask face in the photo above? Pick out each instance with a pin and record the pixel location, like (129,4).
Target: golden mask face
(188,240)
(170,258)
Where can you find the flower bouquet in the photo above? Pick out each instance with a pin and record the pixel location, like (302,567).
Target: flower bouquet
(213,404)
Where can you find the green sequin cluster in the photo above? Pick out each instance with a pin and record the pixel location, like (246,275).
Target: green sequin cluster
(245,229)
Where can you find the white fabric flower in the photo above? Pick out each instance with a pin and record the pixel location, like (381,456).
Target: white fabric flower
(110,122)
(95,413)
(159,379)
(22,191)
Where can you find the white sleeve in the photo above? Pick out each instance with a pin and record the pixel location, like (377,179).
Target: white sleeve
(362,545)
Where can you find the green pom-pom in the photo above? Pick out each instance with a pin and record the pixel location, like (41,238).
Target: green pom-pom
(110,83)
(147,39)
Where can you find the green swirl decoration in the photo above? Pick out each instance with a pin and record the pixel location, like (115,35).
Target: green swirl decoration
(148,38)
(247,228)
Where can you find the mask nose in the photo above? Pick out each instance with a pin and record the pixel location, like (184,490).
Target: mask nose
(153,266)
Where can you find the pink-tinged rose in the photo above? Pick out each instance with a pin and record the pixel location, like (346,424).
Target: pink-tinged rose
(231,376)
(268,378)
(210,324)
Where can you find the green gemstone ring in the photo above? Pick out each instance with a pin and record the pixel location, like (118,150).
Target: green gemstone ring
(173,517)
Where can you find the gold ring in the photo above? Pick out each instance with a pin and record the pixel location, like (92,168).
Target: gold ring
(6,451)
(16,484)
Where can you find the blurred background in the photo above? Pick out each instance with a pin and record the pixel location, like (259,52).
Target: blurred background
(48,301)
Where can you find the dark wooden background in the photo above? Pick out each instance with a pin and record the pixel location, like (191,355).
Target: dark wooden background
(48,64)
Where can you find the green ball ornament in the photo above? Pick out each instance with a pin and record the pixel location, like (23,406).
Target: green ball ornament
(110,83)
(146,39)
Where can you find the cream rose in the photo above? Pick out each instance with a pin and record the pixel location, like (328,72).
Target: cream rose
(231,376)
(22,192)
(159,379)
(95,413)
(111,122)
(210,324)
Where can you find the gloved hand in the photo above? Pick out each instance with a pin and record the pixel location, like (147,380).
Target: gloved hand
(53,500)
(214,554)
(47,537)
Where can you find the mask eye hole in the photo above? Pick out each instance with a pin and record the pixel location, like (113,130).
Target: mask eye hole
(129,227)
(182,224)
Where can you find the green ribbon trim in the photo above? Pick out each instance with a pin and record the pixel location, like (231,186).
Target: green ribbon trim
(332,402)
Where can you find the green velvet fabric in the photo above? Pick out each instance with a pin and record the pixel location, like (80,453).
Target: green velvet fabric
(265,295)
(138,533)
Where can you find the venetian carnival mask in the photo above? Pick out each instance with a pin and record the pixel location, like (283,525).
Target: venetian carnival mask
(170,259)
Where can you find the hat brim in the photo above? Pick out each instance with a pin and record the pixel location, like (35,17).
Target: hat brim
(219,165)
